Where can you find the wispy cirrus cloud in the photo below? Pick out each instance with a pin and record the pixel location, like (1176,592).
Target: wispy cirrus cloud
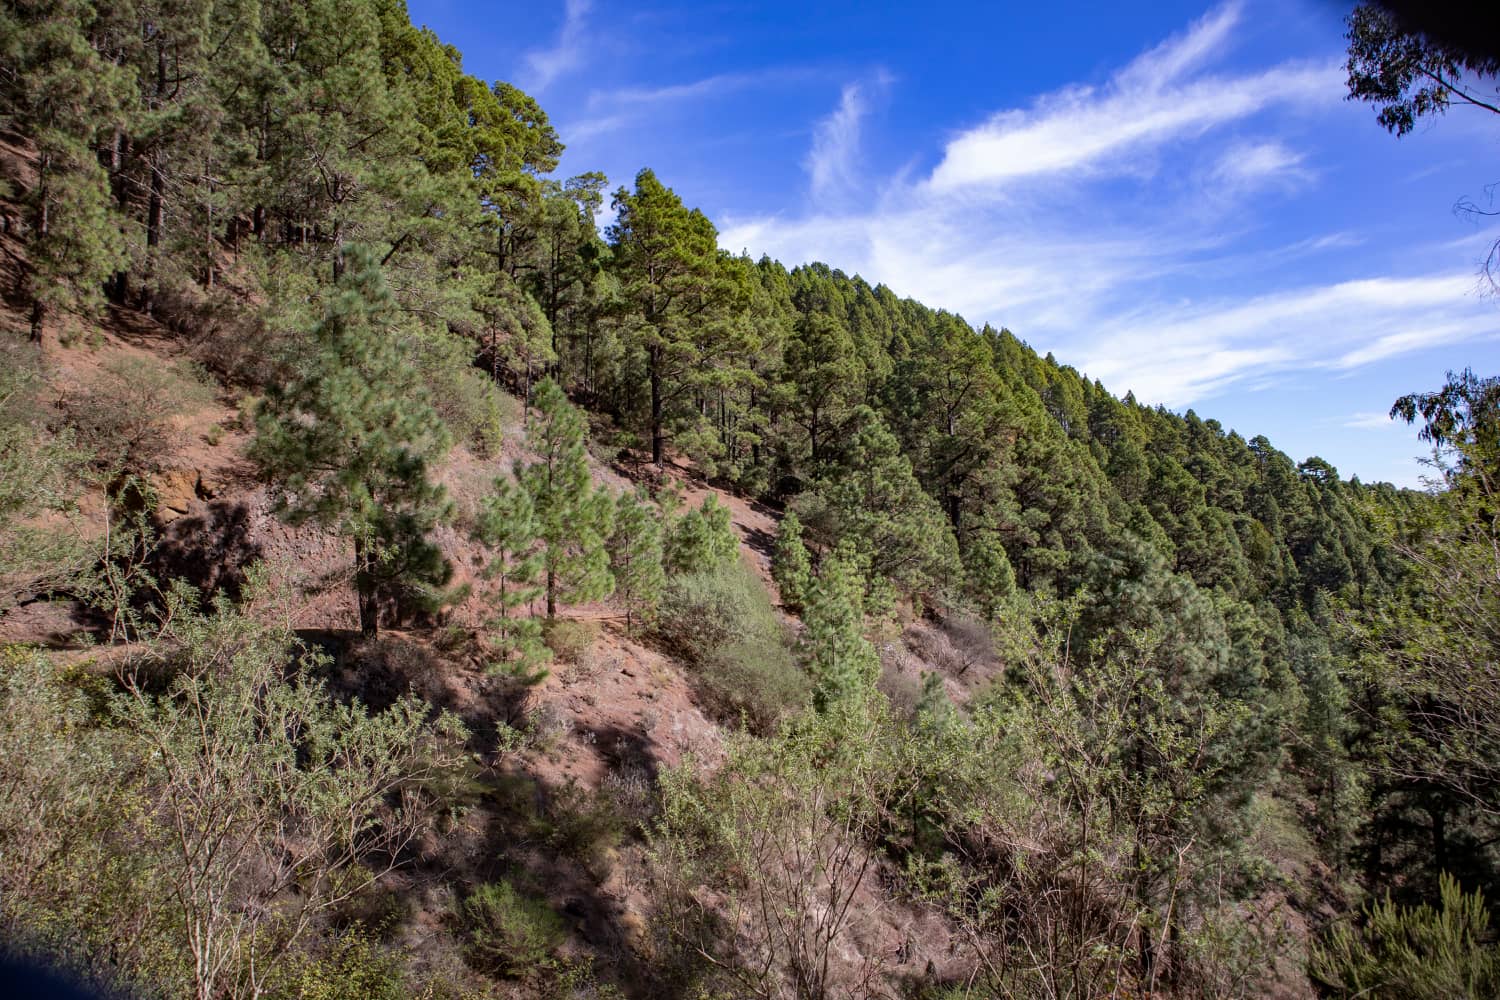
(1110,223)
(543,66)
(1178,354)
(1375,420)
(1150,103)
(1246,165)
(617,108)
(832,162)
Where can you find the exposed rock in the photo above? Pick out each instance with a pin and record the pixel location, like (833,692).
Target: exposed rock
(178,489)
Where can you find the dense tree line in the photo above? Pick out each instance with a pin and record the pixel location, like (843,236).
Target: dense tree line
(1199,635)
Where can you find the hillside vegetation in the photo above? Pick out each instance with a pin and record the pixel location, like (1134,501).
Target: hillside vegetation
(409,589)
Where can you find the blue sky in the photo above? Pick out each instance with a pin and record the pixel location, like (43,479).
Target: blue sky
(1174,199)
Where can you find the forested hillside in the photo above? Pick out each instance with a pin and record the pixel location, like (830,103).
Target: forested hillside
(409,588)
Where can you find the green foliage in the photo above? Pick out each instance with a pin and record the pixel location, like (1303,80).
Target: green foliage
(212,773)
(841,661)
(264,780)
(679,285)
(722,621)
(1237,628)
(635,559)
(511,933)
(1414,953)
(776,834)
(40,472)
(507,526)
(475,410)
(350,443)
(66,805)
(1409,75)
(702,540)
(790,567)
(989,580)
(870,501)
(355,963)
(575,517)
(1429,650)
(63,92)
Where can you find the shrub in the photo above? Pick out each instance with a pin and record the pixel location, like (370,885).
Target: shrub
(588,826)
(354,964)
(511,933)
(1414,952)
(758,680)
(476,411)
(705,611)
(722,622)
(569,639)
(125,411)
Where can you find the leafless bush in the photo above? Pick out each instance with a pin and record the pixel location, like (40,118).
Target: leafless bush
(125,413)
(955,647)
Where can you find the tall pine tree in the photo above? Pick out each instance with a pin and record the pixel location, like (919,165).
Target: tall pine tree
(575,518)
(348,445)
(635,557)
(507,525)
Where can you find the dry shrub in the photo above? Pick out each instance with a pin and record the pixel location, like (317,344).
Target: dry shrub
(124,412)
(224,333)
(956,647)
(570,639)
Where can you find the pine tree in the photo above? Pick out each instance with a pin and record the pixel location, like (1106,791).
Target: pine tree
(507,526)
(790,567)
(988,577)
(675,278)
(702,539)
(842,662)
(635,556)
(575,518)
(349,442)
(870,499)
(57,89)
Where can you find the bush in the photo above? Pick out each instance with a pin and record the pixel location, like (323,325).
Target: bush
(476,411)
(705,611)
(1414,952)
(354,964)
(510,933)
(569,639)
(588,826)
(722,622)
(125,411)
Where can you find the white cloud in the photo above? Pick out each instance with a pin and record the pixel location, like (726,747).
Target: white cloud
(1371,421)
(832,166)
(621,107)
(543,66)
(1178,354)
(709,86)
(1148,104)
(1248,165)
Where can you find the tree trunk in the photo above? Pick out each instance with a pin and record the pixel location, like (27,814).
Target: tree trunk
(364,586)
(154,216)
(551,594)
(656,408)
